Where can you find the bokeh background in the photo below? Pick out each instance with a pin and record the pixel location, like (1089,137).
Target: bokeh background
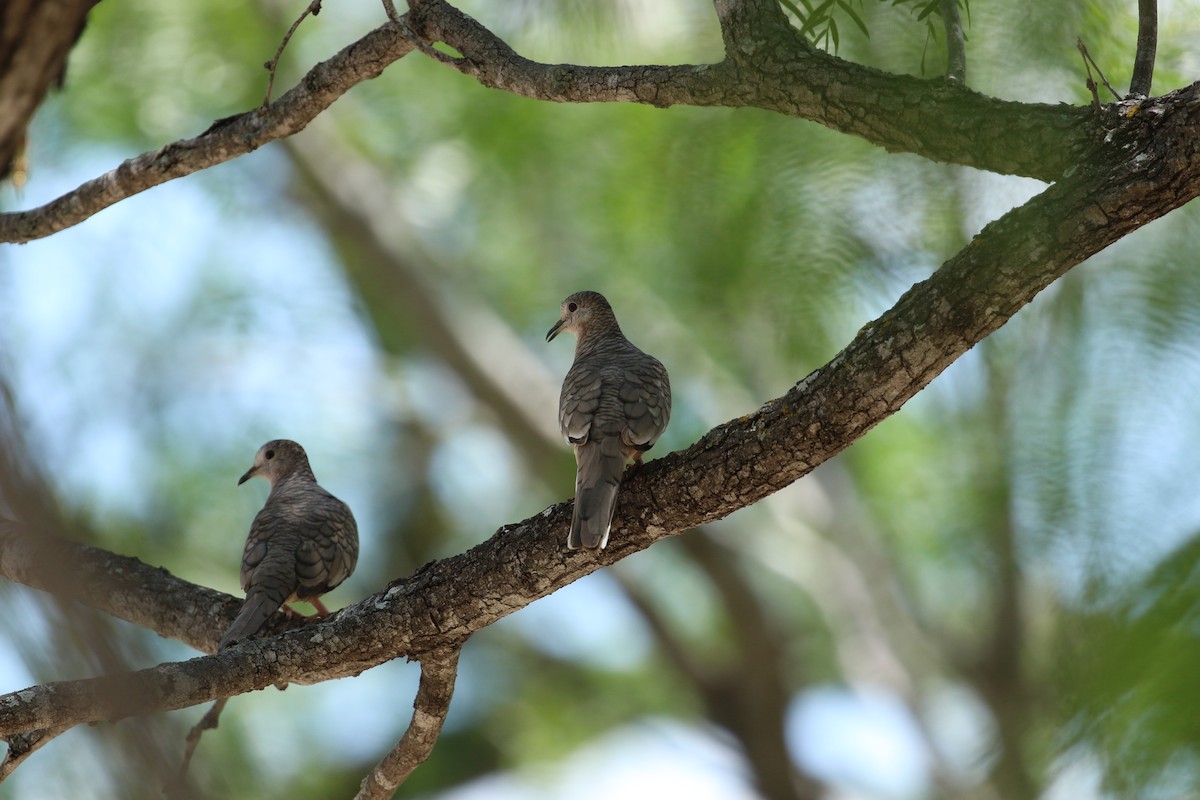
(992,595)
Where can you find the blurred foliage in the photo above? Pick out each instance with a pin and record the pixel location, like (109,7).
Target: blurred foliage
(1015,548)
(818,19)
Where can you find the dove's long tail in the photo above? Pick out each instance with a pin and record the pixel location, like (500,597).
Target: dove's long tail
(600,466)
(260,604)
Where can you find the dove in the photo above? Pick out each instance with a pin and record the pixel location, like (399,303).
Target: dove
(302,544)
(615,403)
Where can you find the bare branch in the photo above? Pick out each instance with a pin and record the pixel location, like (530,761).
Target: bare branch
(439,671)
(22,745)
(226,139)
(313,8)
(1147,45)
(1090,64)
(956,48)
(208,722)
(1091,84)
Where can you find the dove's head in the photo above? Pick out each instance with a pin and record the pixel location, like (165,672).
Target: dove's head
(584,313)
(277,459)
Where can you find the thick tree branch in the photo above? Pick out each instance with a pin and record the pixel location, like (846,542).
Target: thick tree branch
(439,671)
(118,585)
(1147,45)
(1151,166)
(768,66)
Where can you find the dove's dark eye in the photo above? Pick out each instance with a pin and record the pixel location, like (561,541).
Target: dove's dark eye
(270,454)
(572,307)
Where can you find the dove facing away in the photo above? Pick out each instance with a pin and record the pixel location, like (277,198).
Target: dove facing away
(303,542)
(615,403)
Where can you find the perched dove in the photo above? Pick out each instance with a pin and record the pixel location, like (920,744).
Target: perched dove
(614,405)
(303,542)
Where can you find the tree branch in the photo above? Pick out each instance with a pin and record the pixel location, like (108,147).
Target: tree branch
(439,670)
(732,466)
(1147,44)
(22,745)
(771,67)
(225,139)
(209,722)
(118,585)
(956,48)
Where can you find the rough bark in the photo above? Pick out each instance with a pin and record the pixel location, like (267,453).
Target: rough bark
(224,140)
(1147,167)
(439,671)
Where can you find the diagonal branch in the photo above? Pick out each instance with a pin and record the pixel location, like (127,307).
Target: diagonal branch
(1147,44)
(439,671)
(225,140)
(24,744)
(732,466)
(768,66)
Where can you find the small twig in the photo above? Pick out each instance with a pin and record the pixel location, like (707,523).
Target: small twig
(208,722)
(439,670)
(314,8)
(1088,60)
(956,50)
(1091,84)
(1147,45)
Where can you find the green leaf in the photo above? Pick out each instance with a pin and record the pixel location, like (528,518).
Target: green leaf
(816,17)
(855,17)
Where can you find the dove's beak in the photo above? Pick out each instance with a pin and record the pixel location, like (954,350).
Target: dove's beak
(250,473)
(555,330)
